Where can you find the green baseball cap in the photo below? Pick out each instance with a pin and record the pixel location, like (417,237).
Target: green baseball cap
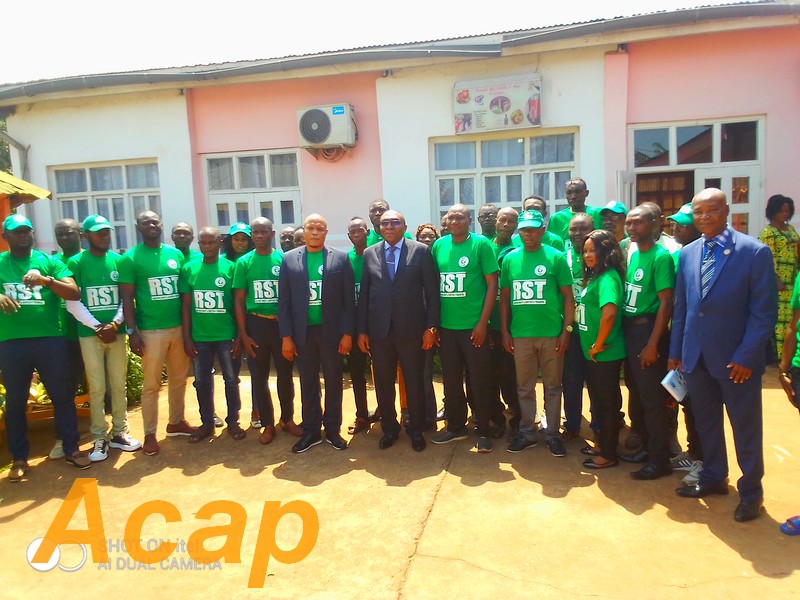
(240,228)
(96,223)
(530,218)
(684,215)
(14,221)
(615,207)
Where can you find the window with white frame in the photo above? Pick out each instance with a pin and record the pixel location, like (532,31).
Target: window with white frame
(243,186)
(118,191)
(504,170)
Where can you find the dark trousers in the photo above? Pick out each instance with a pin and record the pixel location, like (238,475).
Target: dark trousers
(572,381)
(646,383)
(693,442)
(503,379)
(602,379)
(357,363)
(742,401)
(459,355)
(312,356)
(265,333)
(204,381)
(427,382)
(49,356)
(385,355)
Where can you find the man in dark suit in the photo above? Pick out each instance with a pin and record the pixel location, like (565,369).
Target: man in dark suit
(316,320)
(398,315)
(726,306)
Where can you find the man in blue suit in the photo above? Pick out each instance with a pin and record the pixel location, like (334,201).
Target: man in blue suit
(316,320)
(726,305)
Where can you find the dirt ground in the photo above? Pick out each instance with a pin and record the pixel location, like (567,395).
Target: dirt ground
(447,522)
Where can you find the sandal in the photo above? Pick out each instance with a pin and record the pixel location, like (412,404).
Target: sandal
(792,526)
(236,432)
(200,434)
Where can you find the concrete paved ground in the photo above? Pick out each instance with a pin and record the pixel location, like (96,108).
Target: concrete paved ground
(396,524)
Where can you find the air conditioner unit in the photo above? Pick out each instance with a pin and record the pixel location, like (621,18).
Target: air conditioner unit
(327,126)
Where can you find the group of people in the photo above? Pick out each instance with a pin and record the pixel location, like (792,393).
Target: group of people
(580,298)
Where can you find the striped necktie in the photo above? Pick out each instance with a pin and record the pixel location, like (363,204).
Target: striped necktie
(707,268)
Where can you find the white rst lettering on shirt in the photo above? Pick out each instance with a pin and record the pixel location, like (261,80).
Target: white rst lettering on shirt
(163,288)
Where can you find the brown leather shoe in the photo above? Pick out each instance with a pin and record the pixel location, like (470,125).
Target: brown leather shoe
(179,428)
(267,435)
(17,471)
(292,428)
(79,460)
(150,445)
(358,426)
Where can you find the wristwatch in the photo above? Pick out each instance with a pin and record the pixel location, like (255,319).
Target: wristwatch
(130,330)
(569,328)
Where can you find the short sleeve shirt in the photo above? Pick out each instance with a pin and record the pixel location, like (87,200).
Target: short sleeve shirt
(155,273)
(559,222)
(648,274)
(602,290)
(210,286)
(258,275)
(38,313)
(463,268)
(98,279)
(315,266)
(535,280)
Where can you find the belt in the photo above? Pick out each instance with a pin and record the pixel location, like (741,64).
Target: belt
(640,320)
(270,317)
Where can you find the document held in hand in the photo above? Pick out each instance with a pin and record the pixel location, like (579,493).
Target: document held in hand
(675,384)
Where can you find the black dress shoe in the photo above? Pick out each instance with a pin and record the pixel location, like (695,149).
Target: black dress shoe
(701,490)
(305,442)
(418,443)
(747,511)
(638,457)
(652,471)
(387,441)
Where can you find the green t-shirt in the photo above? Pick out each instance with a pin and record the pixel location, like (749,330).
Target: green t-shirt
(676,257)
(463,268)
(190,254)
(648,274)
(69,324)
(38,312)
(315,266)
(500,252)
(210,286)
(373,237)
(535,280)
(575,263)
(357,263)
(549,238)
(796,306)
(258,274)
(606,289)
(155,273)
(98,279)
(559,222)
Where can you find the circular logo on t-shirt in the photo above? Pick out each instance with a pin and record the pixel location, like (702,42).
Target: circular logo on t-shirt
(114,275)
(540,270)
(320,270)
(638,275)
(220,281)
(276,270)
(172,263)
(463,261)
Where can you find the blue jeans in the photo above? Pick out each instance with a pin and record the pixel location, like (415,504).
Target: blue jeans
(49,356)
(204,380)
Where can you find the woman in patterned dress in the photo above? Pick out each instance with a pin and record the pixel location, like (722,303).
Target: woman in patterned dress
(782,239)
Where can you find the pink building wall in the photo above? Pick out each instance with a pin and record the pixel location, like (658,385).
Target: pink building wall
(259,116)
(747,73)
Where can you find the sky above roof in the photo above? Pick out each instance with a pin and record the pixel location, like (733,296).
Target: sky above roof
(46,39)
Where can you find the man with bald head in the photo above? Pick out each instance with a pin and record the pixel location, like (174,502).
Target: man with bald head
(726,306)
(182,237)
(316,319)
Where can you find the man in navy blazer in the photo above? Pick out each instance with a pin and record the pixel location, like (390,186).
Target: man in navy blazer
(316,320)
(726,305)
(398,313)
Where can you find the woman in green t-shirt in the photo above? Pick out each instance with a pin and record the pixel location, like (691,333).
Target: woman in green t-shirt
(600,330)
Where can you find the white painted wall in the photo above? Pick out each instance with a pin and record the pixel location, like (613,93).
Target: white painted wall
(99,129)
(415,105)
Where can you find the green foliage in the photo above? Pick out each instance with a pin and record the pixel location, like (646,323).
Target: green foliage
(5,154)
(135,379)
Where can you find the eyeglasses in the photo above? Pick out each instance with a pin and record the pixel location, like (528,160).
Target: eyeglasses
(391,223)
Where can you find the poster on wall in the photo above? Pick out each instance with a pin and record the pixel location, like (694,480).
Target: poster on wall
(497,104)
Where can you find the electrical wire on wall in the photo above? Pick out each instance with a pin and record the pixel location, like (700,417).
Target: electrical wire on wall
(332,154)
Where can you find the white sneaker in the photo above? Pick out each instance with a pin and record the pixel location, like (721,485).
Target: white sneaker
(694,474)
(58,451)
(682,462)
(123,441)
(100,451)
(217,421)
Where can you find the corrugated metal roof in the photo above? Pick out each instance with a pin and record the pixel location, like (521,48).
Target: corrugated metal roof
(470,46)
